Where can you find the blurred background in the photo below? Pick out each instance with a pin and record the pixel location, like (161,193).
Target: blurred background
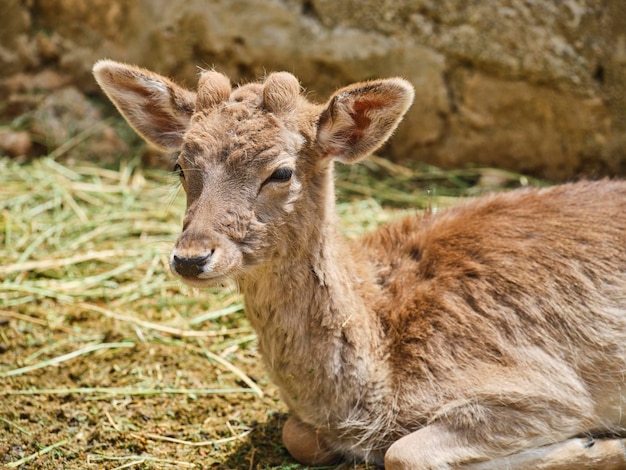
(537,87)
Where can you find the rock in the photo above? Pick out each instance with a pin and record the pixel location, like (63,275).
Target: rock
(533,129)
(66,122)
(526,85)
(15,143)
(44,80)
(16,53)
(62,115)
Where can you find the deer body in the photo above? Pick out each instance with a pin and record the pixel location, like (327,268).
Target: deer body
(492,335)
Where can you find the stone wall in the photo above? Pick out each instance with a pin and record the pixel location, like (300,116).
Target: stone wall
(530,85)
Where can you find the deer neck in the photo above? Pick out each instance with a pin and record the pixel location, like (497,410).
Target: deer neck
(312,311)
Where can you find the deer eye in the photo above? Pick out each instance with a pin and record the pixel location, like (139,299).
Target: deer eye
(281,175)
(179,169)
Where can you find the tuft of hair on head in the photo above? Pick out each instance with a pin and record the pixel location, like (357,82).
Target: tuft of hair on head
(213,88)
(280,92)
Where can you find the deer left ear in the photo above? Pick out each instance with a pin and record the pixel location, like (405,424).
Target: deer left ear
(359,118)
(157,108)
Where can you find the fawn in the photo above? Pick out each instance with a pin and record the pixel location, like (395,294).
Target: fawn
(490,335)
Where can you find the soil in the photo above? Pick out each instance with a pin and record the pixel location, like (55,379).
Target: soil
(95,429)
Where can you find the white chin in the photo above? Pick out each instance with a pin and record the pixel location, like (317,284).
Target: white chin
(199,282)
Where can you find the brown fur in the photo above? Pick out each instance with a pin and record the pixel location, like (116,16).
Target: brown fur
(488,336)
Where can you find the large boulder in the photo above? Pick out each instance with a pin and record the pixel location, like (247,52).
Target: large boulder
(533,86)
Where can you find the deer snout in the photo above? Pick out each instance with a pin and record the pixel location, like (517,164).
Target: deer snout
(190,267)
(204,259)
(195,255)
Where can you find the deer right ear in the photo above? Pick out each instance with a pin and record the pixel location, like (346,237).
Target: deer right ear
(157,108)
(360,118)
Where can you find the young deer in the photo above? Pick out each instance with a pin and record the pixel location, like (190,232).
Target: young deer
(489,336)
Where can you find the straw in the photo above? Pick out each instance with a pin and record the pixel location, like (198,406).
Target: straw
(37,454)
(66,357)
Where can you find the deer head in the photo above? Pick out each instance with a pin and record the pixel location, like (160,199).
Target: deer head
(255,161)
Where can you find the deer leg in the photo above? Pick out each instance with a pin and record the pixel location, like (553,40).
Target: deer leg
(571,454)
(432,447)
(437,447)
(305,445)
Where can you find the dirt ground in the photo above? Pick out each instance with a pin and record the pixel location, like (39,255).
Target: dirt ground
(91,423)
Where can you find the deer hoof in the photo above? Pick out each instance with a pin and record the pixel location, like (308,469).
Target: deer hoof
(305,445)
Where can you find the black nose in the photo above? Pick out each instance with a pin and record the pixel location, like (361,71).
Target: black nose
(190,267)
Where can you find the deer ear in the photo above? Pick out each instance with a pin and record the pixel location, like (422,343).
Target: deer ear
(360,118)
(153,105)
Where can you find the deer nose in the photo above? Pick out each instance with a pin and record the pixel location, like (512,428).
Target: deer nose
(190,267)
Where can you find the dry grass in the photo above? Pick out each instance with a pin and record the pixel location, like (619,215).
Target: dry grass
(106,361)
